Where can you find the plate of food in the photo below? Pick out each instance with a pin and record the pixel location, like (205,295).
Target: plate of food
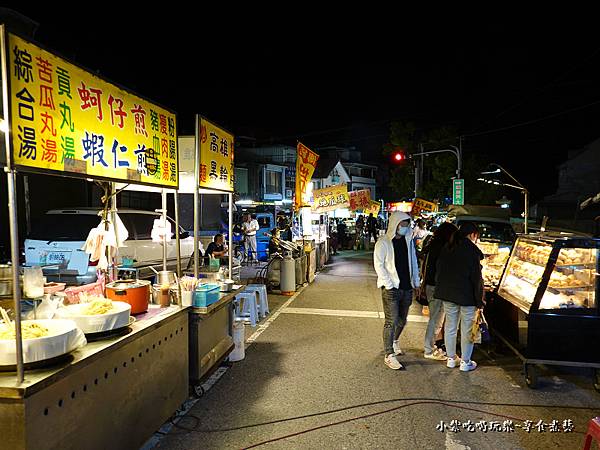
(97,315)
(42,339)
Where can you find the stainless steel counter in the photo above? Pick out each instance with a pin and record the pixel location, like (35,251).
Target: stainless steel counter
(113,393)
(211,337)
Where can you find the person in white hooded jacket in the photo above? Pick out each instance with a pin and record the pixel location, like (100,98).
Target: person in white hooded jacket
(395,261)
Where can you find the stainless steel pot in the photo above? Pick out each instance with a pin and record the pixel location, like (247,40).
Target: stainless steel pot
(164,276)
(226,285)
(5,272)
(5,288)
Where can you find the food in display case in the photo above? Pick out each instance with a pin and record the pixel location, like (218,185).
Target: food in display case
(571,283)
(495,257)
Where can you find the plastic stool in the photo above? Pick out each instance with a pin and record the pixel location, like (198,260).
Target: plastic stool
(593,432)
(263,303)
(249,309)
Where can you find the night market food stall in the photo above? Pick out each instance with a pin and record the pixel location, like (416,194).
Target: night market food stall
(546,307)
(113,392)
(211,315)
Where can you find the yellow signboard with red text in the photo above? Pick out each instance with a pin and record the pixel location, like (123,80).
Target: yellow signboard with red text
(71,122)
(330,198)
(423,205)
(306,162)
(216,157)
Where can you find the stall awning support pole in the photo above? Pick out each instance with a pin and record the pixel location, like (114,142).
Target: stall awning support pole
(164,221)
(176,204)
(230,201)
(196,183)
(113,219)
(16,282)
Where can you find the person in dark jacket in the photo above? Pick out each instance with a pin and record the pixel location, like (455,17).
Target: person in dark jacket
(459,284)
(431,252)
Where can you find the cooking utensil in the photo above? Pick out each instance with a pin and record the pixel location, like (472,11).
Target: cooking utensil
(134,292)
(5,272)
(164,276)
(226,285)
(5,288)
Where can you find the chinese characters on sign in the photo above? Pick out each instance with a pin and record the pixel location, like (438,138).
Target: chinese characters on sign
(68,120)
(507,426)
(330,198)
(216,157)
(423,205)
(361,200)
(458,191)
(306,162)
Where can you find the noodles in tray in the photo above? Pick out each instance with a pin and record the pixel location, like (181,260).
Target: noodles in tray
(97,307)
(30,330)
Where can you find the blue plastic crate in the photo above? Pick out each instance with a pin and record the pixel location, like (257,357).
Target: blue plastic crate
(206,294)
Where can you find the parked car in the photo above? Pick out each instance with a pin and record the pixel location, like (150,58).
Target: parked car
(57,239)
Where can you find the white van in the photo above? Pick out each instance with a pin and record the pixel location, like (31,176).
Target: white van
(57,239)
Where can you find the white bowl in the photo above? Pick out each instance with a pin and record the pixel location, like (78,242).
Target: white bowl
(117,317)
(63,337)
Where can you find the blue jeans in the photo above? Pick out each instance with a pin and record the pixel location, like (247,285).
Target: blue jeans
(466,316)
(436,319)
(396,303)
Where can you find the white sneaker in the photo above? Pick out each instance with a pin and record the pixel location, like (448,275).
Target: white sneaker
(397,349)
(437,354)
(452,362)
(468,366)
(392,362)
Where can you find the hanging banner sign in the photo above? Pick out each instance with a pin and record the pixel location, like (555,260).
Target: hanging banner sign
(216,157)
(374,208)
(360,200)
(330,198)
(306,162)
(71,122)
(423,205)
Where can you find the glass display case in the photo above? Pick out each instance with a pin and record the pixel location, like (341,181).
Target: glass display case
(547,304)
(495,257)
(549,273)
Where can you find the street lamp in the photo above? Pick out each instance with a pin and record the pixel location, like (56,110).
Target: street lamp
(519,186)
(456,151)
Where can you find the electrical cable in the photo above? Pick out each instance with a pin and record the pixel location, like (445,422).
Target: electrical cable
(381,402)
(423,402)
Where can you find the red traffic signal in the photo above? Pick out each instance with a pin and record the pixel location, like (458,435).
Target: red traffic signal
(398,157)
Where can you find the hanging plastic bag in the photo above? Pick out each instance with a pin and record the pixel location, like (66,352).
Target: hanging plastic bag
(161,230)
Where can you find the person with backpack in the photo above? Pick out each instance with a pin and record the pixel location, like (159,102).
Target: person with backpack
(459,284)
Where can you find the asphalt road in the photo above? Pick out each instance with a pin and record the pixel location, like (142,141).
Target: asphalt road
(314,378)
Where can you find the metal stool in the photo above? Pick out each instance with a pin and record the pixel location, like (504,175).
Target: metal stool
(263,303)
(248,309)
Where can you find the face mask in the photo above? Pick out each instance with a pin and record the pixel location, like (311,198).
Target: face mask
(402,231)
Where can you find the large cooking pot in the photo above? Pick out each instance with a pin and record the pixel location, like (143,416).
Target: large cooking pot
(134,292)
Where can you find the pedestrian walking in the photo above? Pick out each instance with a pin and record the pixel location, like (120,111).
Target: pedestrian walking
(420,233)
(459,285)
(431,253)
(250,226)
(360,226)
(372,227)
(395,262)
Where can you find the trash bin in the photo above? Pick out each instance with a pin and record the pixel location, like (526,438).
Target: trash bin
(239,339)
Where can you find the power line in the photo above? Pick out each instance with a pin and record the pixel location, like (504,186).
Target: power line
(529,122)
(545,87)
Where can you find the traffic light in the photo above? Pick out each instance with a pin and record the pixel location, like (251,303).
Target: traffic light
(398,157)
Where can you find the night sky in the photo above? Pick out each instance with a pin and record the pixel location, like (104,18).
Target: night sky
(278,77)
